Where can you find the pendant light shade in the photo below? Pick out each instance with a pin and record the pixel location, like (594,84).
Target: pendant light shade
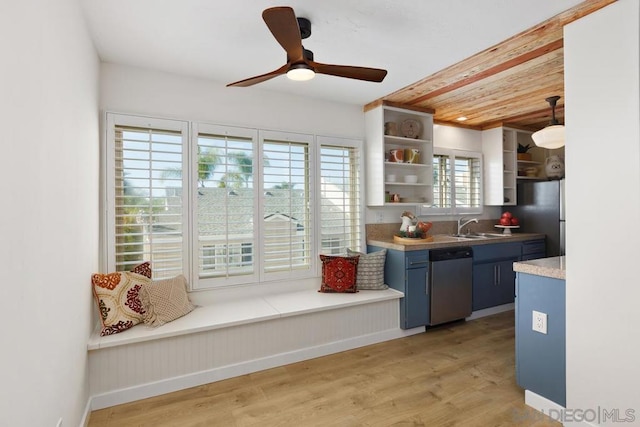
(553,135)
(550,137)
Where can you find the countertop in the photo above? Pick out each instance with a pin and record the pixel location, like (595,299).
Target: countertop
(446,241)
(553,267)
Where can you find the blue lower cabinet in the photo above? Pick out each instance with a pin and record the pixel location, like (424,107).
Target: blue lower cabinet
(415,311)
(408,272)
(541,358)
(533,249)
(493,276)
(493,284)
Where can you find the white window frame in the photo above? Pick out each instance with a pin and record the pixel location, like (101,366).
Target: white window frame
(459,210)
(350,143)
(108,155)
(311,270)
(208,283)
(190,131)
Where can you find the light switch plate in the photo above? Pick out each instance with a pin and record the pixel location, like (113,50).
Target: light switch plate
(539,322)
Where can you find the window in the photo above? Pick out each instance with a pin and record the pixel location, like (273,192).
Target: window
(224,205)
(340,202)
(233,206)
(287,215)
(145,194)
(457,181)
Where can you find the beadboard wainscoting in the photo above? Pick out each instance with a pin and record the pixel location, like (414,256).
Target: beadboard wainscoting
(137,370)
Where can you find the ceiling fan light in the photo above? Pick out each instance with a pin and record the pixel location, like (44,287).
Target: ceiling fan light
(550,137)
(300,73)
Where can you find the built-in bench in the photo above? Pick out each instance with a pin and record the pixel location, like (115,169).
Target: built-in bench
(235,332)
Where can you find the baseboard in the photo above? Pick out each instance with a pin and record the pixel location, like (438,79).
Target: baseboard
(84,421)
(169,385)
(491,310)
(558,413)
(541,404)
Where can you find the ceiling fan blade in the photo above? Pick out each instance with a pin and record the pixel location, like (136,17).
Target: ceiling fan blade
(261,78)
(359,73)
(284,26)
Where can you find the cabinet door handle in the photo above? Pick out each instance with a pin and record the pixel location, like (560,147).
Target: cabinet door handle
(427,278)
(499,275)
(495,275)
(418,262)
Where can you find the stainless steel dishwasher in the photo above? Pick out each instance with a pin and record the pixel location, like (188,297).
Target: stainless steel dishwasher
(450,284)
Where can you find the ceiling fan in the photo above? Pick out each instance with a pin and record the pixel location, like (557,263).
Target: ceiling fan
(289,31)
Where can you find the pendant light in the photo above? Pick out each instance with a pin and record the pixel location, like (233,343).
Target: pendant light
(553,135)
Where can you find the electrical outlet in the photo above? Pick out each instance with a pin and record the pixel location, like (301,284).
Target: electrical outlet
(539,322)
(379,217)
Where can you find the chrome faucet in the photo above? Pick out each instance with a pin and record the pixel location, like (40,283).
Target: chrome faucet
(461,224)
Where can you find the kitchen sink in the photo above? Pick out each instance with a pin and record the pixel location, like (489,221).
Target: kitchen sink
(478,236)
(494,235)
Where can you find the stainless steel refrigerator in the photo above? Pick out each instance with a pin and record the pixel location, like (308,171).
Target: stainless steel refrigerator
(541,209)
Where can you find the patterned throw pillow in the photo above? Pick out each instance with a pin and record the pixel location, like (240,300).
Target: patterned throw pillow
(370,270)
(117,297)
(339,273)
(165,301)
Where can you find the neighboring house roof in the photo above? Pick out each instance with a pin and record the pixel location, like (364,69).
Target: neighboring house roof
(281,204)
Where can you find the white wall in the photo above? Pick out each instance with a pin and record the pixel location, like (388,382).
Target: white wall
(457,138)
(49,214)
(603,170)
(135,90)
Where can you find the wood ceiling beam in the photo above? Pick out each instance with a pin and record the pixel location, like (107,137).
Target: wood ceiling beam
(555,45)
(502,84)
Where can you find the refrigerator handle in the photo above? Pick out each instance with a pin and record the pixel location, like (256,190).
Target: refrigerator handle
(562,201)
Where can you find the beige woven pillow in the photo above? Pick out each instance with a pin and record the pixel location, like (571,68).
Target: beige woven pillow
(370,270)
(165,300)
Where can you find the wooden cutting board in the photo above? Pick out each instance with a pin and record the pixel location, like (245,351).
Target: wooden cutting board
(412,241)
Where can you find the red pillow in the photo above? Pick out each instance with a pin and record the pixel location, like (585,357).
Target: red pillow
(339,273)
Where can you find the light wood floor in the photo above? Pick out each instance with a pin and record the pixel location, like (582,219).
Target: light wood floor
(455,375)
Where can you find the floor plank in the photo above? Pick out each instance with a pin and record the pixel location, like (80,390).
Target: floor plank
(453,375)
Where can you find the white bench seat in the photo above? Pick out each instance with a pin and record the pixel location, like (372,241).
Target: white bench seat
(232,312)
(235,332)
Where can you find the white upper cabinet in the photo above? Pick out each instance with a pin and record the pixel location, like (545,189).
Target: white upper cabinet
(399,152)
(499,148)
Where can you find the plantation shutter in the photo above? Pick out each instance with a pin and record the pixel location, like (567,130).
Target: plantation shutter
(441,181)
(340,196)
(225,216)
(145,181)
(287,218)
(468,182)
(457,181)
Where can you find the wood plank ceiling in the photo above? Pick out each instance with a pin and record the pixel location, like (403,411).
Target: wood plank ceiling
(504,85)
